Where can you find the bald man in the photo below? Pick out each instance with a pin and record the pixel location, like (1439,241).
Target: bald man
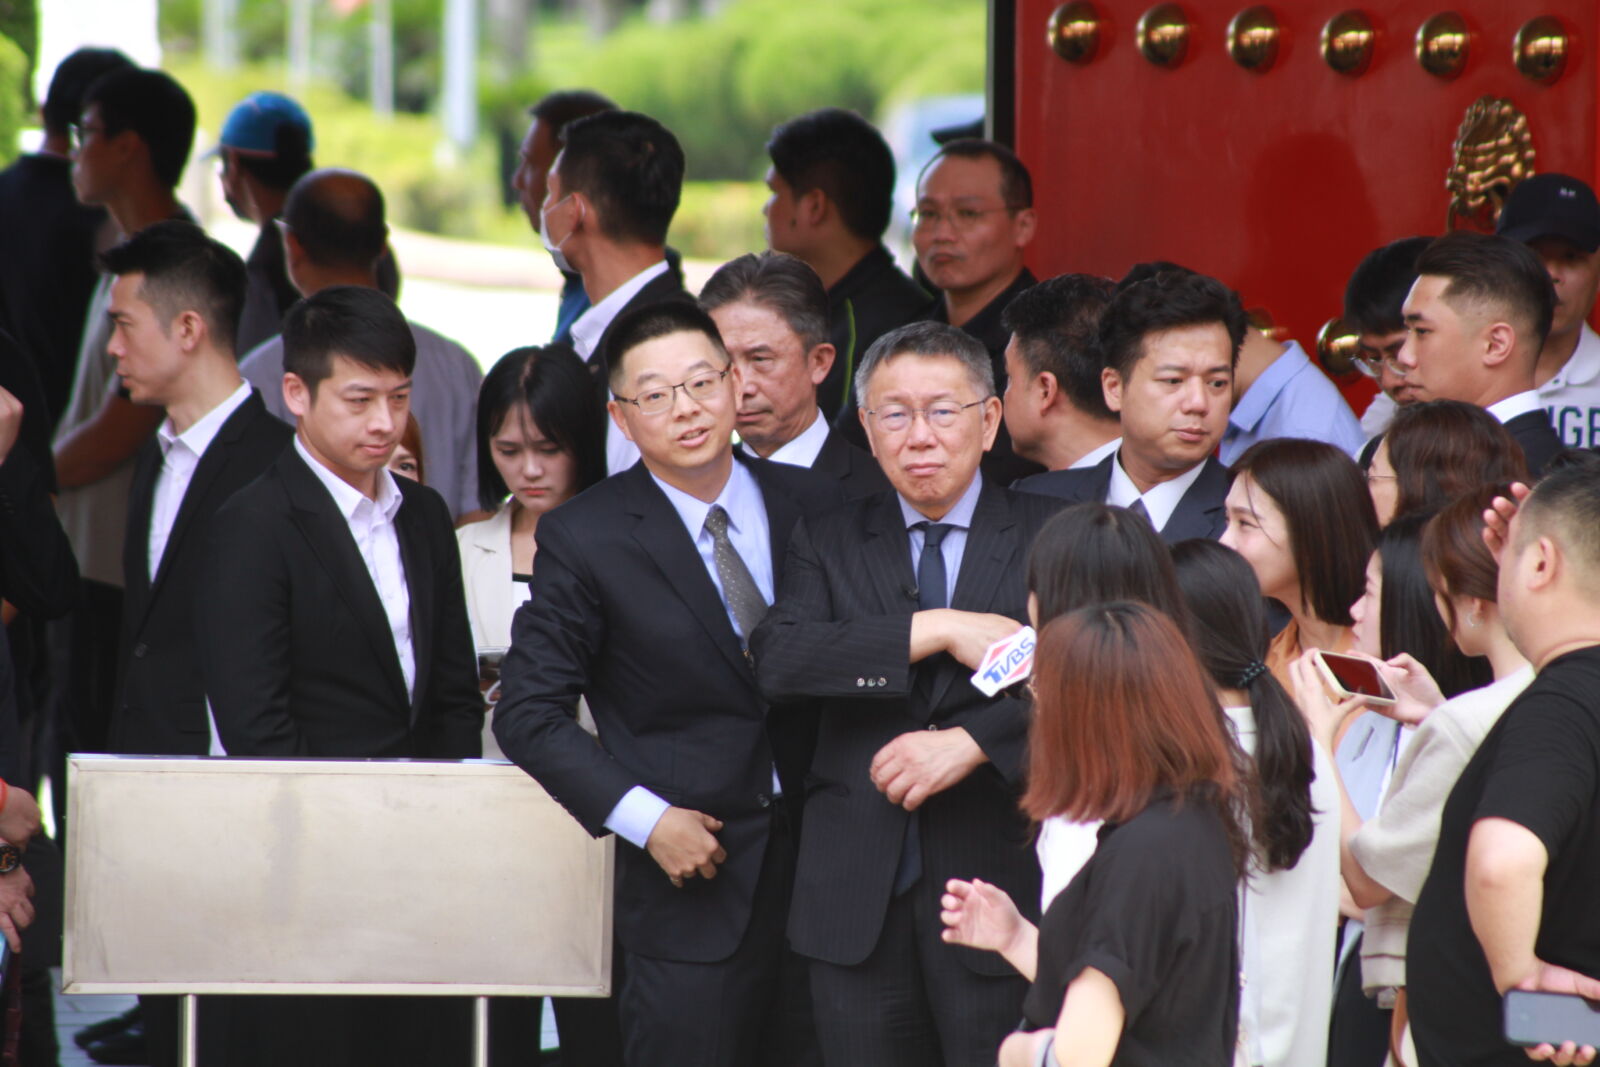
(334,233)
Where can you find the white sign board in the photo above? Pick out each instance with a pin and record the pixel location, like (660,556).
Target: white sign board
(198,875)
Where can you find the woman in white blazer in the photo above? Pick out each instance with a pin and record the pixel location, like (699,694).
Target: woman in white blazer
(541,441)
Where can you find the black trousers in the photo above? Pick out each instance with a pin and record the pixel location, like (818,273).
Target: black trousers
(751,1008)
(1358,1033)
(589,1029)
(911,1003)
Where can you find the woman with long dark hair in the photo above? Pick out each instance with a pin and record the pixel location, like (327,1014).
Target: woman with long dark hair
(1291,902)
(1137,961)
(1300,515)
(1386,857)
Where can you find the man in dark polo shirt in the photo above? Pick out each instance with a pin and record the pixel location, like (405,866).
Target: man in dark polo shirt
(1510,902)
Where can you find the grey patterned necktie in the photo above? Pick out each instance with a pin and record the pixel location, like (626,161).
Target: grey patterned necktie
(739,590)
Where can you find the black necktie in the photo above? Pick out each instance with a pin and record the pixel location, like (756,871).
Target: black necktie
(1138,508)
(932,586)
(739,590)
(932,582)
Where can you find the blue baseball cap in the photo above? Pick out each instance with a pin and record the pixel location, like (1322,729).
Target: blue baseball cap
(253,124)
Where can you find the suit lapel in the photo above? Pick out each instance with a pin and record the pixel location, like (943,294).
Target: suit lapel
(415,559)
(328,534)
(659,530)
(886,553)
(1203,507)
(782,513)
(141,502)
(211,464)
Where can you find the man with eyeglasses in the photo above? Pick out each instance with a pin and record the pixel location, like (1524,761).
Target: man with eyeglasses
(1373,298)
(972,224)
(646,591)
(885,610)
(1170,342)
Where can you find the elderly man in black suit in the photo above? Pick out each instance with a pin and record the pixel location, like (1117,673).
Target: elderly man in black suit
(646,589)
(772,313)
(336,626)
(1170,343)
(887,606)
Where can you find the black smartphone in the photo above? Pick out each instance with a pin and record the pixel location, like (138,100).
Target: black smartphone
(1551,1018)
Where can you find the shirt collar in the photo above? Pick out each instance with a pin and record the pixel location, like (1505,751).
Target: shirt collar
(1093,457)
(1160,502)
(1582,367)
(1264,390)
(1518,404)
(591,325)
(198,437)
(346,497)
(739,494)
(802,450)
(959,516)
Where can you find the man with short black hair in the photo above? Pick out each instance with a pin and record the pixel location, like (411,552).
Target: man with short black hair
(772,313)
(48,273)
(334,233)
(1558,217)
(535,156)
(174,305)
(832,181)
(1509,900)
(1055,408)
(1374,300)
(610,197)
(337,627)
(1170,343)
(885,611)
(974,221)
(1477,317)
(646,591)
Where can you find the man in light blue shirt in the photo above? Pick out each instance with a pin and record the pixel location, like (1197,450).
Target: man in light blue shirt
(1279,392)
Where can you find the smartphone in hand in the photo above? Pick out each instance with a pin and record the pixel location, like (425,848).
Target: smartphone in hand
(1551,1019)
(1350,676)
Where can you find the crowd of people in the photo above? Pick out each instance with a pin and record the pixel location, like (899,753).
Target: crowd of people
(717,569)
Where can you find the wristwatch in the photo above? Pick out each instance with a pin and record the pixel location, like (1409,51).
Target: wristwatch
(10,858)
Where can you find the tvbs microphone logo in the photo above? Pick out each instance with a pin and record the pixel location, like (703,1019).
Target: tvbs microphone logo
(1006,662)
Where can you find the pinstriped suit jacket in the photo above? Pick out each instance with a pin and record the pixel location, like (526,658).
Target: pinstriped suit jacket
(839,635)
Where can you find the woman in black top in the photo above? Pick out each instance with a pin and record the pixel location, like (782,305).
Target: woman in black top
(1136,962)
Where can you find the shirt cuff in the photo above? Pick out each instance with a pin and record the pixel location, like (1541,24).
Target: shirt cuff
(636,814)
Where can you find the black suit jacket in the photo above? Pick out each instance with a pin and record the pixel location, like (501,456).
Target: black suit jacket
(295,645)
(667,285)
(1537,437)
(624,612)
(1201,513)
(161,699)
(839,635)
(858,473)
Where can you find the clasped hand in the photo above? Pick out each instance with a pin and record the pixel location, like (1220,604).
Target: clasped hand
(684,844)
(918,764)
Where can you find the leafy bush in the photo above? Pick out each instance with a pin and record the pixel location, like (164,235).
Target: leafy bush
(14,111)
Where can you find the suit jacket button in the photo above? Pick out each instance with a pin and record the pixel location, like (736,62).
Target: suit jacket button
(140,649)
(860,682)
(764,800)
(883,681)
(933,726)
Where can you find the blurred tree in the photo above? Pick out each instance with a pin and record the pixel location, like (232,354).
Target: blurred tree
(19,23)
(15,110)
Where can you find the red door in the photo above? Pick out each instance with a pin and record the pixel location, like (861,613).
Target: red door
(1277,181)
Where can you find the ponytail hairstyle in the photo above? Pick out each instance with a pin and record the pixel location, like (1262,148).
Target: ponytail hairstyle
(1230,636)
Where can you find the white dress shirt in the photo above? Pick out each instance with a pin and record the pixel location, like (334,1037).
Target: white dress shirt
(802,451)
(371,523)
(587,330)
(636,814)
(1093,457)
(1516,404)
(1160,502)
(181,454)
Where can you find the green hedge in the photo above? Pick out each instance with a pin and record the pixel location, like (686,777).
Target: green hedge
(15,114)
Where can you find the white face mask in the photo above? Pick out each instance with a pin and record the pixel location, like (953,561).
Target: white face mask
(551,246)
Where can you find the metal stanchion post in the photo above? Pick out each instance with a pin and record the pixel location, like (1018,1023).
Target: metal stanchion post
(188,1031)
(480,1032)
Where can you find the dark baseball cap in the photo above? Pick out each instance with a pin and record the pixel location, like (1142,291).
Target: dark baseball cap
(1552,205)
(253,124)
